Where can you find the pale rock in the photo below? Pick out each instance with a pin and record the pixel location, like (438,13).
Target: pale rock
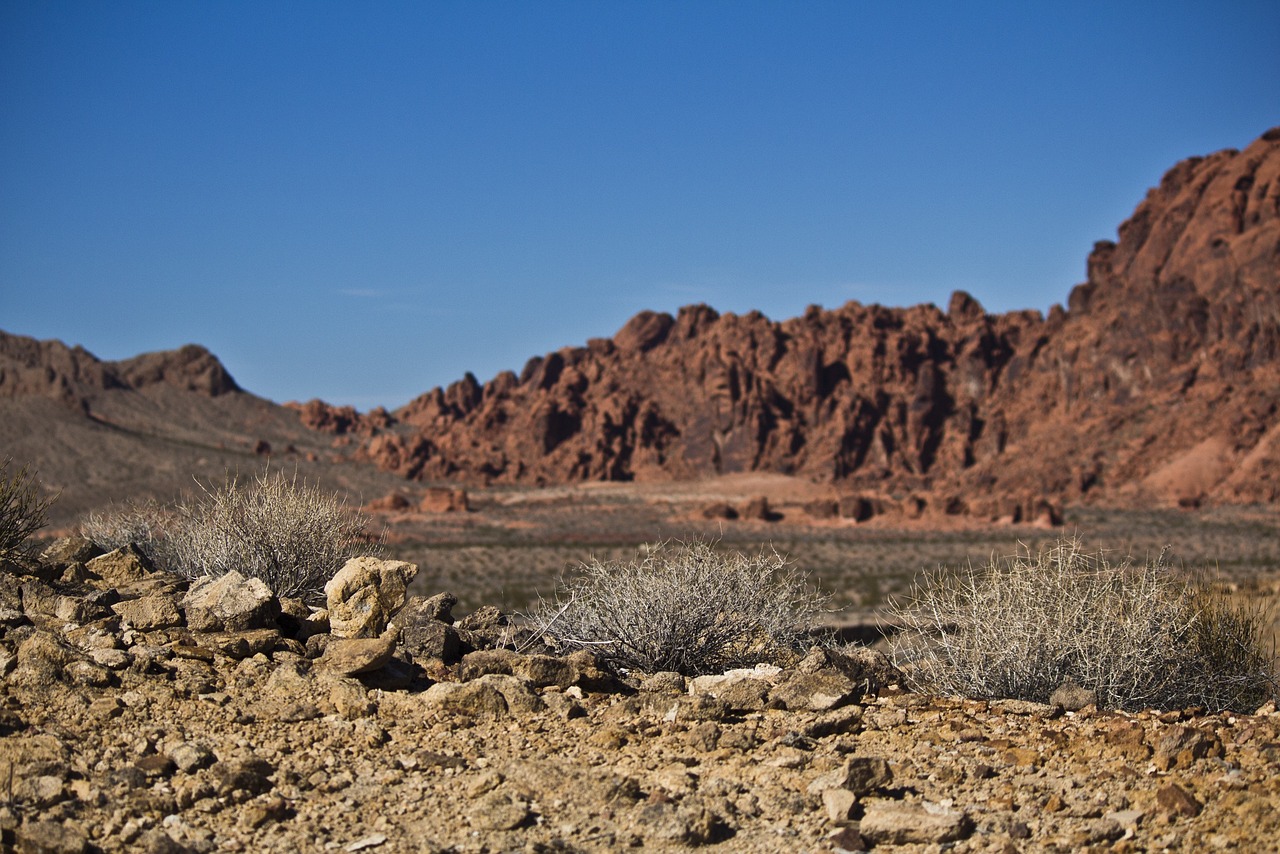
(901,823)
(715,683)
(350,656)
(120,567)
(815,692)
(365,594)
(839,804)
(156,611)
(230,603)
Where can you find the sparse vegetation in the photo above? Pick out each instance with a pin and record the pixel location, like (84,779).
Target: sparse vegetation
(684,607)
(1139,636)
(147,524)
(292,535)
(22,510)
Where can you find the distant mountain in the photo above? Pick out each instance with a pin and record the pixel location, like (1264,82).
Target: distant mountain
(99,431)
(1160,381)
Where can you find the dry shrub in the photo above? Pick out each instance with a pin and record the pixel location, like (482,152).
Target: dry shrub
(683,607)
(1136,635)
(147,524)
(291,535)
(22,510)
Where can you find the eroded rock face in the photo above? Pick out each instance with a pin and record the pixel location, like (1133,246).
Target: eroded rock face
(1017,412)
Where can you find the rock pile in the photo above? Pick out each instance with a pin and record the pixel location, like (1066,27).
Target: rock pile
(141,712)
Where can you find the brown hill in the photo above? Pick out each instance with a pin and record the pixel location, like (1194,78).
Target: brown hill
(1158,382)
(100,431)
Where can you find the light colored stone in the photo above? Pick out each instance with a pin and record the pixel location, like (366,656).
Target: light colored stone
(230,603)
(839,804)
(365,594)
(120,567)
(899,823)
(715,683)
(156,611)
(350,656)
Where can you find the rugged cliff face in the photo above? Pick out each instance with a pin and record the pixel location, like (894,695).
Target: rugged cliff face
(1158,381)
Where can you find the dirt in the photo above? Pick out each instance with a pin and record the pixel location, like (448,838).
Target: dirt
(156,737)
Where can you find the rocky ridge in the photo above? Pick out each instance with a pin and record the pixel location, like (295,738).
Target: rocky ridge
(69,375)
(140,711)
(1157,382)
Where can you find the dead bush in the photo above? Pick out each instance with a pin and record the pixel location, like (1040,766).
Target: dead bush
(147,524)
(22,510)
(683,607)
(290,534)
(1138,636)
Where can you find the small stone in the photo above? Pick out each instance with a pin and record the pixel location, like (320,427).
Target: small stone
(1177,801)
(371,841)
(839,804)
(898,823)
(190,756)
(350,656)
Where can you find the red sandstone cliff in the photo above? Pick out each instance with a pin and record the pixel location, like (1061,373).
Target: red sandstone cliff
(1158,382)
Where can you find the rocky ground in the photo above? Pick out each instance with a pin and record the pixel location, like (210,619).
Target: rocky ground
(142,712)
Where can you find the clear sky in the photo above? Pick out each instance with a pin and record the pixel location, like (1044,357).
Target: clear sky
(361,200)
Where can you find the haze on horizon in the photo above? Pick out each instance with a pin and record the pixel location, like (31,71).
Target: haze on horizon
(359,202)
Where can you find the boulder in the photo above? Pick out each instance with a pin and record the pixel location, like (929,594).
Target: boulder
(123,566)
(365,594)
(899,823)
(230,603)
(352,656)
(156,611)
(815,692)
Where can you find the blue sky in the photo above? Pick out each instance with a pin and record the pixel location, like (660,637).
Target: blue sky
(360,201)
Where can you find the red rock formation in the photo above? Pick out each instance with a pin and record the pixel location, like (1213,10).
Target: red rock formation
(1173,341)
(341,420)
